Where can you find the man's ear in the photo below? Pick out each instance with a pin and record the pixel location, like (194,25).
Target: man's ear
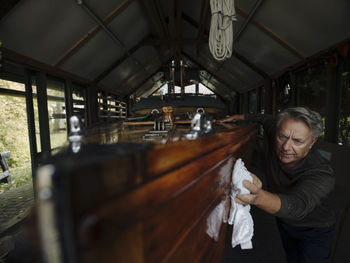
(313,142)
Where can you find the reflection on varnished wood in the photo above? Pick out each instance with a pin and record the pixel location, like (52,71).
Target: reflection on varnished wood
(150,203)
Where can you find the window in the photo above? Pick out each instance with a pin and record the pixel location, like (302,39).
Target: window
(262,100)
(312,86)
(36,116)
(177,90)
(204,90)
(14,134)
(109,107)
(253,101)
(57,112)
(79,103)
(190,89)
(344,117)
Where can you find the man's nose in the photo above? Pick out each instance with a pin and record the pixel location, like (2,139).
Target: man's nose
(286,145)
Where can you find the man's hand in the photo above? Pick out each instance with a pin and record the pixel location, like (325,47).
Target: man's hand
(232,118)
(265,200)
(255,191)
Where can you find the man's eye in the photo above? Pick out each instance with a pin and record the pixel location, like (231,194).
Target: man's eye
(282,137)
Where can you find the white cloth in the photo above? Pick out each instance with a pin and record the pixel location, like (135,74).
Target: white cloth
(215,220)
(240,218)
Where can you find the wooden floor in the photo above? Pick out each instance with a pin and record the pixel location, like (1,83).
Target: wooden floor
(267,246)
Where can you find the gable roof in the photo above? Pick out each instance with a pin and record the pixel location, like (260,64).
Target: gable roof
(126,46)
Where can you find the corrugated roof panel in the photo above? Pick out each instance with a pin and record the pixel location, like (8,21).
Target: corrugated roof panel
(44,30)
(94,57)
(242,71)
(128,67)
(146,54)
(131,25)
(310,26)
(213,68)
(235,70)
(263,51)
(102,8)
(141,77)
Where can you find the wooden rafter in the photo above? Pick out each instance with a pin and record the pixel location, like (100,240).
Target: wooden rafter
(152,13)
(235,54)
(195,60)
(202,22)
(272,34)
(119,61)
(92,32)
(6,6)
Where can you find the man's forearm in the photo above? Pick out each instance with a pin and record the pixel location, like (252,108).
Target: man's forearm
(269,202)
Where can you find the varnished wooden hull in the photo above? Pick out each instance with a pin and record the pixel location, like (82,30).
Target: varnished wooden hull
(149,203)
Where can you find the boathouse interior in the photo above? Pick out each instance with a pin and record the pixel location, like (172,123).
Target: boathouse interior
(109,62)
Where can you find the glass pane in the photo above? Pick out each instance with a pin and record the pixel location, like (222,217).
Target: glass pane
(190,89)
(79,102)
(177,89)
(344,120)
(163,90)
(57,113)
(36,116)
(253,101)
(262,100)
(204,90)
(312,86)
(14,138)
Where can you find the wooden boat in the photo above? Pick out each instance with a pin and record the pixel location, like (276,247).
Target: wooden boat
(117,200)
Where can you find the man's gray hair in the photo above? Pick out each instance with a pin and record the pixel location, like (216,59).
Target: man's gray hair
(311,118)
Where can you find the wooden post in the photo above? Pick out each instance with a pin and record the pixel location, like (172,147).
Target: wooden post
(31,122)
(68,103)
(43,113)
(92,105)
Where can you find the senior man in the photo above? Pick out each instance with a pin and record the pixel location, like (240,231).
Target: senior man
(299,183)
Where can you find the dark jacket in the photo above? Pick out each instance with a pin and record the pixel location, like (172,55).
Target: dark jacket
(305,190)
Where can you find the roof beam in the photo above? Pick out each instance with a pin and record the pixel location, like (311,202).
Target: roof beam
(147,90)
(127,79)
(170,42)
(178,27)
(202,23)
(272,34)
(247,21)
(143,82)
(119,61)
(235,54)
(171,16)
(222,91)
(161,16)
(155,19)
(151,76)
(39,66)
(206,69)
(6,7)
(236,37)
(92,32)
(221,66)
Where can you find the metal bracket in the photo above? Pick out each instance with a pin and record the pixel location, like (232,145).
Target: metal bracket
(200,126)
(75,134)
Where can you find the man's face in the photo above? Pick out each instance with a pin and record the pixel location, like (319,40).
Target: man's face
(293,141)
